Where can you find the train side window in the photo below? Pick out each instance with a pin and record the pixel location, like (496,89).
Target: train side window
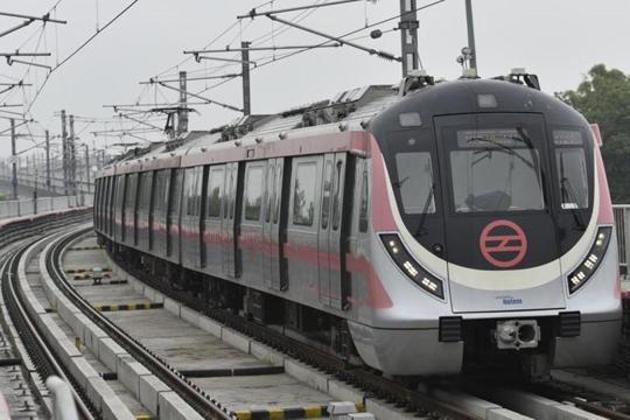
(118,189)
(415,182)
(278,193)
(572,177)
(197,190)
(304,194)
(271,190)
(253,196)
(232,193)
(145,192)
(163,197)
(363,210)
(175,195)
(326,192)
(190,188)
(167,190)
(337,199)
(215,191)
(131,196)
(160,187)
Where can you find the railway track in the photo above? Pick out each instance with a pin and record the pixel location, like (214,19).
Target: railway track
(20,336)
(598,404)
(44,361)
(370,383)
(189,392)
(431,404)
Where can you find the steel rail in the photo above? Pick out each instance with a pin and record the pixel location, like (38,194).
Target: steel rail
(586,400)
(187,390)
(39,351)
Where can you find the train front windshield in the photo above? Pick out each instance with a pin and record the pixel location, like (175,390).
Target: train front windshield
(494,169)
(489,163)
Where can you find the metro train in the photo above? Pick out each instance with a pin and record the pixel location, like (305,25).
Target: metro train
(424,227)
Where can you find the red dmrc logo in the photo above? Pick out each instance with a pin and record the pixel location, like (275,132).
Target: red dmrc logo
(504,239)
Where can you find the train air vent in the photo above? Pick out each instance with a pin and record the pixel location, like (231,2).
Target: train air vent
(569,324)
(450,329)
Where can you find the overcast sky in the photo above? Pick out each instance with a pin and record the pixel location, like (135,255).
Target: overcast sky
(560,40)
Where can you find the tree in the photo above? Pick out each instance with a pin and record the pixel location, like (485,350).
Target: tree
(604,98)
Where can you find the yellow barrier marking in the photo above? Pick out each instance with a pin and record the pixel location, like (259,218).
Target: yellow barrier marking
(313,411)
(243,415)
(276,413)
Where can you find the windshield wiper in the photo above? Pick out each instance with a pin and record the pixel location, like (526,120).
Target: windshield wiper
(502,148)
(400,182)
(568,191)
(427,202)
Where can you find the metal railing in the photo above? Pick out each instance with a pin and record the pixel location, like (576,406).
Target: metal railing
(19,208)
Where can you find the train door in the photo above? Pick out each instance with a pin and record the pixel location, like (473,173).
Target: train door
(501,243)
(119,208)
(323,255)
(212,236)
(143,209)
(109,214)
(229,225)
(191,217)
(159,232)
(251,235)
(95,212)
(173,220)
(273,233)
(303,226)
(129,204)
(267,221)
(331,258)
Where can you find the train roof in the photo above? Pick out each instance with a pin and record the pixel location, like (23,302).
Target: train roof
(348,110)
(351,110)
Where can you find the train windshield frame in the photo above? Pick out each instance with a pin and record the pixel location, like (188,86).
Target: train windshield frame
(494,163)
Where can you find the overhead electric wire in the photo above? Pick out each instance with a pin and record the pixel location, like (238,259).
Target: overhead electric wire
(79,48)
(355,31)
(87,41)
(262,38)
(294,53)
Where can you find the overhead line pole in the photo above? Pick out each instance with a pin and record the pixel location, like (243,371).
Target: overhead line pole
(14,181)
(409,36)
(247,95)
(47,160)
(182,113)
(64,146)
(73,157)
(471,36)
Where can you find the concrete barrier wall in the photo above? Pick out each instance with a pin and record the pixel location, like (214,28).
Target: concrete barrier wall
(19,208)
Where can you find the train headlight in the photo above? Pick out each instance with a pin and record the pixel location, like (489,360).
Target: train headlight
(410,267)
(594,258)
